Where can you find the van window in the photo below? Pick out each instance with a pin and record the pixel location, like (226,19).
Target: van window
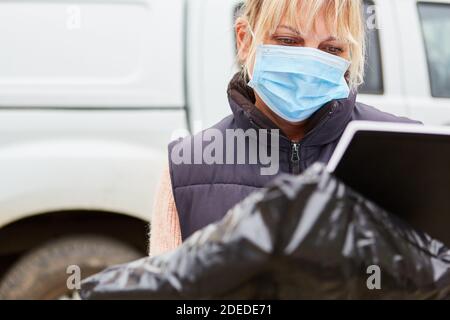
(373,80)
(435,18)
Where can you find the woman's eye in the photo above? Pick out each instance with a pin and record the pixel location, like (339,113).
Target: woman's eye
(288,41)
(334,50)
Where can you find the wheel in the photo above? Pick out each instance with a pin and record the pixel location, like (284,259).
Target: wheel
(42,273)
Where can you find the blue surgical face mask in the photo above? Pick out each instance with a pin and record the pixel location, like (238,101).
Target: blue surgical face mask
(295,82)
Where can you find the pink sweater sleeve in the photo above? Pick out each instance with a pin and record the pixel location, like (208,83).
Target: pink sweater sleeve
(165,232)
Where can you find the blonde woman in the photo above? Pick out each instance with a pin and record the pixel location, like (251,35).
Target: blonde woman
(302,62)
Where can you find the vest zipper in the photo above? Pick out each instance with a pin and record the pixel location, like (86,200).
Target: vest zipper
(295,158)
(295,146)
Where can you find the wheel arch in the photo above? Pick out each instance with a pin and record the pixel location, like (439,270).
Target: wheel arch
(30,232)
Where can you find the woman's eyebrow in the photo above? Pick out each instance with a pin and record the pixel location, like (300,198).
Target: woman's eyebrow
(289,28)
(331,38)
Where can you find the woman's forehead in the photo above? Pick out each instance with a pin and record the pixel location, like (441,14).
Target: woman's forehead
(310,17)
(320,29)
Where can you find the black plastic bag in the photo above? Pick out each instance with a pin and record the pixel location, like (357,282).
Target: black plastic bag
(307,237)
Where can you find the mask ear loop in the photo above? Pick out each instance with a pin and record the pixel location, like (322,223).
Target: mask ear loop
(252,33)
(254,39)
(253,36)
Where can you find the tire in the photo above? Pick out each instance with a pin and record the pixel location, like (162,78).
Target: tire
(42,274)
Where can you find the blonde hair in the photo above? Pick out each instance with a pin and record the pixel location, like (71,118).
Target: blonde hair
(345,17)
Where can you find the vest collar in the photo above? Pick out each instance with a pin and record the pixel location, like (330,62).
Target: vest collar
(325,126)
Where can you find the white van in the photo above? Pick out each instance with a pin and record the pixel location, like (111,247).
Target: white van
(92,92)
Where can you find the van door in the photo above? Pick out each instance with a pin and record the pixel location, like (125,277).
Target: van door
(211,53)
(383,87)
(425,41)
(109,53)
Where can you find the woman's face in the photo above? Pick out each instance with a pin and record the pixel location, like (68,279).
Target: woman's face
(287,34)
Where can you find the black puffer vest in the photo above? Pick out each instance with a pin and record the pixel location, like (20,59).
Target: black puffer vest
(204,193)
